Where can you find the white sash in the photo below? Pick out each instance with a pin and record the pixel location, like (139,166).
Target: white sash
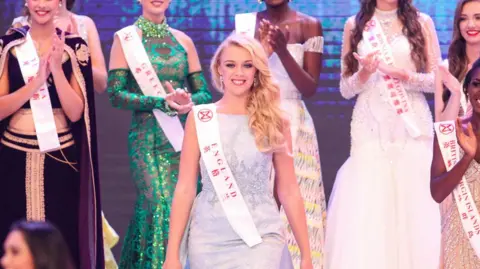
(447,141)
(40,104)
(225,185)
(245,23)
(148,81)
(373,36)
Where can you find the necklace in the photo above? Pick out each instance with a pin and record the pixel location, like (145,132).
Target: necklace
(150,29)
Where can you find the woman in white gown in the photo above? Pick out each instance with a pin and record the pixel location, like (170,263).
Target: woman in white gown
(294,42)
(381,214)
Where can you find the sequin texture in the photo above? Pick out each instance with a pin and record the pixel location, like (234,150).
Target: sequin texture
(153,161)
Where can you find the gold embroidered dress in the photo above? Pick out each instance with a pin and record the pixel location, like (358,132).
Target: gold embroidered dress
(60,186)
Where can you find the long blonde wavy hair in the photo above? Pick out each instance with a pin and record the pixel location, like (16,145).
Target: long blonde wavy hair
(266,119)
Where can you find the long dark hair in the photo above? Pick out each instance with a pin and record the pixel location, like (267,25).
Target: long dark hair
(469,76)
(412,28)
(46,243)
(457,55)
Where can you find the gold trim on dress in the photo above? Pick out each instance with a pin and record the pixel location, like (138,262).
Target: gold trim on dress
(34,186)
(81,81)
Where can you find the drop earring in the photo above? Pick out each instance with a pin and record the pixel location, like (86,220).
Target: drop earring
(221,81)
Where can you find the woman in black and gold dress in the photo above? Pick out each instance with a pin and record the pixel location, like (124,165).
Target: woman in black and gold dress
(60,185)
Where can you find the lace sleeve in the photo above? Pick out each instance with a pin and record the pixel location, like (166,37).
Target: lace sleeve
(425,82)
(121,98)
(349,85)
(199,87)
(314,44)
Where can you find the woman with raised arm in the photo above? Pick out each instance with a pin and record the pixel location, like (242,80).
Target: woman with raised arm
(86,29)
(148,60)
(234,144)
(464,49)
(83,26)
(381,214)
(48,148)
(294,44)
(454,180)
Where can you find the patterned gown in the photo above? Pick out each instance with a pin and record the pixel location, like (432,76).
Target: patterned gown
(307,158)
(110,237)
(457,252)
(153,161)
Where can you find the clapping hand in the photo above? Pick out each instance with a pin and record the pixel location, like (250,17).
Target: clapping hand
(56,53)
(276,38)
(263,35)
(368,62)
(178,99)
(466,138)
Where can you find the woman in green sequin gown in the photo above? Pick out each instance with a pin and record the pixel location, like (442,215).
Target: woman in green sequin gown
(154,162)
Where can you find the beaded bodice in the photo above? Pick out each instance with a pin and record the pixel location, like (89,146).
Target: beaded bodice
(374,119)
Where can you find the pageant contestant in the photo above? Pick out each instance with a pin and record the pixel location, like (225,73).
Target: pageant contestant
(455,172)
(86,29)
(381,214)
(463,51)
(294,44)
(48,145)
(148,59)
(235,222)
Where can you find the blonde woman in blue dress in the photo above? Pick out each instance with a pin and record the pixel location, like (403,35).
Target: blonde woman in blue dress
(254,138)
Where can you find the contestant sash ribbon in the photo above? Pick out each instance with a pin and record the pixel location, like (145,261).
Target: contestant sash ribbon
(245,24)
(147,79)
(223,181)
(40,103)
(467,210)
(397,96)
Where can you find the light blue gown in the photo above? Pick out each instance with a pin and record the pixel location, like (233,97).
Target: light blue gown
(212,243)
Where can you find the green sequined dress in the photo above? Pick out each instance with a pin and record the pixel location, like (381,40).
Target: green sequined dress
(154,163)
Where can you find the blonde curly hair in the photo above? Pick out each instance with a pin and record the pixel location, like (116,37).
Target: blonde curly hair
(266,119)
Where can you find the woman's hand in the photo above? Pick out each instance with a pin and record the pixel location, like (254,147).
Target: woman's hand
(172,264)
(263,35)
(467,139)
(56,53)
(306,264)
(368,62)
(178,99)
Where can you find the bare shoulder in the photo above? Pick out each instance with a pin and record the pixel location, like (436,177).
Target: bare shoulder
(308,20)
(183,38)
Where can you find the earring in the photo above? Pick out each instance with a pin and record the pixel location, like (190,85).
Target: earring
(221,81)
(255,82)
(26,5)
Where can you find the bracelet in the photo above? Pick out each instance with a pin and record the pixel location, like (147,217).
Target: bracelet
(169,111)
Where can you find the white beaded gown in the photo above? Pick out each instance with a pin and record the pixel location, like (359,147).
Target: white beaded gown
(381,214)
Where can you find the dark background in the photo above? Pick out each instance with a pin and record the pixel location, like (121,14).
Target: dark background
(208,23)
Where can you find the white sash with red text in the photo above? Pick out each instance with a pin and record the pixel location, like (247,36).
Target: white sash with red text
(148,81)
(375,38)
(224,183)
(245,23)
(447,141)
(40,103)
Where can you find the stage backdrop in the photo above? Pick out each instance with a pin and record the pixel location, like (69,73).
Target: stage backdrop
(208,22)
